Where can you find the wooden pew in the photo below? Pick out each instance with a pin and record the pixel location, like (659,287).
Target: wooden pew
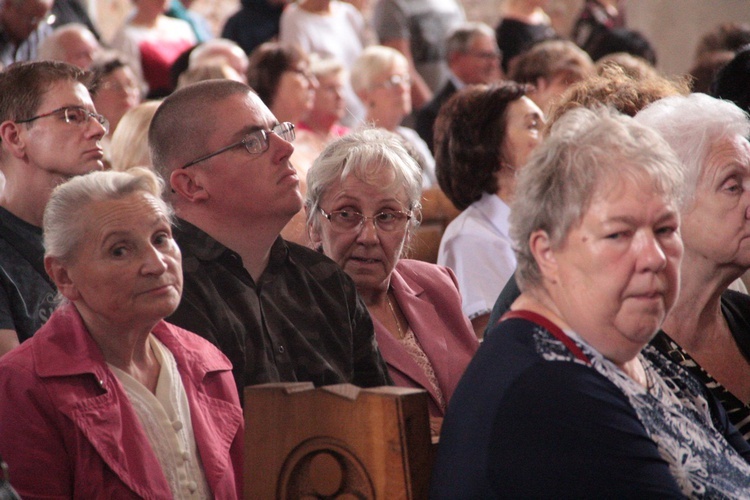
(336,442)
(437,213)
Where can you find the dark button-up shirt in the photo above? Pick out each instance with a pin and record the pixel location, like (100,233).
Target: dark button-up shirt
(27,296)
(302,320)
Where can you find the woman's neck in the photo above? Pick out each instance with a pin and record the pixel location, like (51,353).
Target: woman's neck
(506,183)
(146,17)
(541,301)
(316,6)
(374,296)
(125,347)
(696,317)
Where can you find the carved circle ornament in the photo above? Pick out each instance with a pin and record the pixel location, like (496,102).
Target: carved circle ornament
(323,468)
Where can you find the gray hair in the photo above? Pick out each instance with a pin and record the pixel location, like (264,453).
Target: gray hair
(461,38)
(372,62)
(585,151)
(363,154)
(691,125)
(65,214)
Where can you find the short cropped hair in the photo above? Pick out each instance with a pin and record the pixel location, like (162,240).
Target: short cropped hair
(64,221)
(550,58)
(692,125)
(371,63)
(469,136)
(587,150)
(460,39)
(180,127)
(23,85)
(267,63)
(363,154)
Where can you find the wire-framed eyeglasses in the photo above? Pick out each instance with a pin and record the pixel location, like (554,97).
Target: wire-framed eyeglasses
(72,114)
(348,220)
(255,142)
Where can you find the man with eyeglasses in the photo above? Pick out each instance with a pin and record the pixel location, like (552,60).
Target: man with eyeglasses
(23,26)
(473,58)
(49,132)
(281,312)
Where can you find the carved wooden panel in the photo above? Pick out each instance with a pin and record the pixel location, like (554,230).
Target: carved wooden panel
(336,442)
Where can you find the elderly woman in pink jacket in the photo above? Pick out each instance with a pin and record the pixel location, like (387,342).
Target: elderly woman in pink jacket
(362,203)
(107,400)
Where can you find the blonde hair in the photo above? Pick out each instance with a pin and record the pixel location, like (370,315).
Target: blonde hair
(129,147)
(371,63)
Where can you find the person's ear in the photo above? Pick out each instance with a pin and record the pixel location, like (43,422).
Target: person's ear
(12,139)
(58,272)
(544,255)
(188,184)
(313,232)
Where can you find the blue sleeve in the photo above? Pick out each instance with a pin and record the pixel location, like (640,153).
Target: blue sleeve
(563,430)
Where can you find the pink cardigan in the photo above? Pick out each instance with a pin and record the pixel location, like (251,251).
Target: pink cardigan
(428,295)
(67,428)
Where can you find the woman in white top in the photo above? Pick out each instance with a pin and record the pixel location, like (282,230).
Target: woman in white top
(483,135)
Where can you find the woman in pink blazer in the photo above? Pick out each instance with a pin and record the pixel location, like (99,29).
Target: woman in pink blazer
(362,205)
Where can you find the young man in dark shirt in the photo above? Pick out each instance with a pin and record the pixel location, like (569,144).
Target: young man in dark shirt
(280,312)
(49,132)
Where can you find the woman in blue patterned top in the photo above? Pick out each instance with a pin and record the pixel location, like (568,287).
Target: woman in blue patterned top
(564,399)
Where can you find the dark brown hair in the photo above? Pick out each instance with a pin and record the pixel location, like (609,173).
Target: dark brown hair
(469,136)
(266,65)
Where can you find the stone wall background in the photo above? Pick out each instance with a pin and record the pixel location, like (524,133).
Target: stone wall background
(673,26)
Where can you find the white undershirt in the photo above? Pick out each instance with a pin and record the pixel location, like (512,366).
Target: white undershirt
(165,418)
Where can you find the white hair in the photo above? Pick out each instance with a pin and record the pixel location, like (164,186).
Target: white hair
(691,125)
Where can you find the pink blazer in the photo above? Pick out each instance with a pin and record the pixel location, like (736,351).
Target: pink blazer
(68,430)
(429,297)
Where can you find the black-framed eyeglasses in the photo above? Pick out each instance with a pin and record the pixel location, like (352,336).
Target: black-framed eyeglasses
(255,142)
(349,220)
(72,114)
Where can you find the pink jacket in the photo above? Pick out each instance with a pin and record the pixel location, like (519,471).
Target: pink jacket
(67,428)
(428,296)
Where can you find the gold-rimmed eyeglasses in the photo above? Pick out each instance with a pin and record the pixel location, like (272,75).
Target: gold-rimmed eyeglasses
(72,114)
(349,220)
(255,142)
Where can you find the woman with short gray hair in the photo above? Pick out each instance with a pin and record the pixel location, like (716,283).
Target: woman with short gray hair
(565,398)
(107,399)
(362,205)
